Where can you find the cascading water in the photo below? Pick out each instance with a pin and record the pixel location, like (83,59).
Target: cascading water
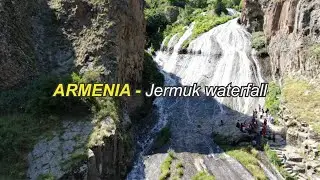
(218,57)
(146,142)
(221,56)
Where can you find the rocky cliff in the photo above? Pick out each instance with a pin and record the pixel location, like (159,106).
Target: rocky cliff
(293,33)
(17,48)
(104,37)
(101,40)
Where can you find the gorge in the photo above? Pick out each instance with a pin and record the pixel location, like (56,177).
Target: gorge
(212,43)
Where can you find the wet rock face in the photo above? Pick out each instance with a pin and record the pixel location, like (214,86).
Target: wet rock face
(291,27)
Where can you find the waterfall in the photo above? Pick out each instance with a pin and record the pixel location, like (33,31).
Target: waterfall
(218,57)
(221,56)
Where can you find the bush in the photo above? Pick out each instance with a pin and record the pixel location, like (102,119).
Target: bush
(165,167)
(204,23)
(171,13)
(273,98)
(315,51)
(172,30)
(219,7)
(259,42)
(198,3)
(46,177)
(151,74)
(180,169)
(272,156)
(36,98)
(156,23)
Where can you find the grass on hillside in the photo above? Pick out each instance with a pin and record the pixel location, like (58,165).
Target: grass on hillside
(205,14)
(247,156)
(304,101)
(203,176)
(179,170)
(273,98)
(172,30)
(171,170)
(31,112)
(166,166)
(19,132)
(273,158)
(204,23)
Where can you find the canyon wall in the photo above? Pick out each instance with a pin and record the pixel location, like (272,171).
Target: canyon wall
(104,39)
(292,29)
(101,40)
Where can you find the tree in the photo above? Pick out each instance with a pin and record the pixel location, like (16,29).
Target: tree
(219,7)
(198,3)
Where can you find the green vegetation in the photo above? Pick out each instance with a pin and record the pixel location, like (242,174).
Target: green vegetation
(150,75)
(273,98)
(203,23)
(46,177)
(303,98)
(169,170)
(161,16)
(247,156)
(203,176)
(163,137)
(36,98)
(171,30)
(180,170)
(314,51)
(166,166)
(18,134)
(272,156)
(31,112)
(259,42)
(76,159)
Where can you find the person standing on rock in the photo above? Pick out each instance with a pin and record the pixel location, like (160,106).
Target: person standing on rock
(264,130)
(274,137)
(221,123)
(238,124)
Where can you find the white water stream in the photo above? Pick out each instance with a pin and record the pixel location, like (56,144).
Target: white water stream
(219,57)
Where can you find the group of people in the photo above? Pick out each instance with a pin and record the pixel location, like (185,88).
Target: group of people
(253,126)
